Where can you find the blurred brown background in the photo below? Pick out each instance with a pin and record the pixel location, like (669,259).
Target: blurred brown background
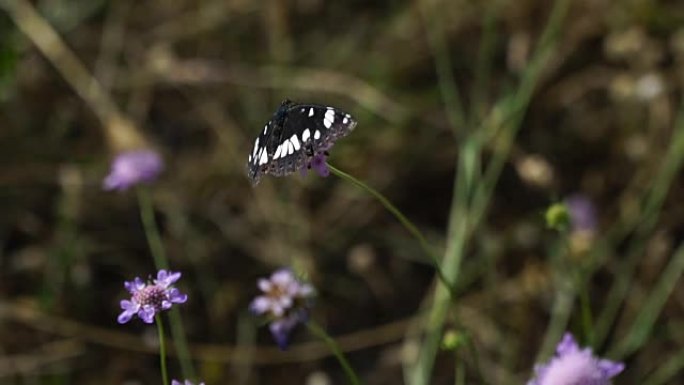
(197,80)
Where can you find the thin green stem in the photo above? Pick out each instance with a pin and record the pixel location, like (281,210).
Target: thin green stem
(161,262)
(585,306)
(560,317)
(564,300)
(457,234)
(151,230)
(485,57)
(460,370)
(401,217)
(643,325)
(320,333)
(439,45)
(162,350)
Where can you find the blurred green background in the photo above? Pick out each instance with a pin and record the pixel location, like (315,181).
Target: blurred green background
(522,103)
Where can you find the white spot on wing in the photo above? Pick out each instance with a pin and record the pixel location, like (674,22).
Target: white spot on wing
(317,135)
(286,145)
(256,147)
(305,135)
(277,153)
(265,128)
(311,112)
(290,148)
(295,142)
(329,118)
(345,120)
(264,157)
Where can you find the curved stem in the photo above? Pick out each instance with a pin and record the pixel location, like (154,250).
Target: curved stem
(320,333)
(401,217)
(162,350)
(161,262)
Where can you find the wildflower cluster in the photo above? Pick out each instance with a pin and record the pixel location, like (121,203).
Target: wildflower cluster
(285,302)
(132,168)
(148,299)
(572,365)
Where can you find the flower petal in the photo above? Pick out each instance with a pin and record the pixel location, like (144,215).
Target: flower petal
(135,285)
(567,345)
(280,330)
(161,276)
(282,277)
(125,316)
(166,305)
(611,368)
(146,314)
(305,290)
(129,305)
(264,285)
(260,305)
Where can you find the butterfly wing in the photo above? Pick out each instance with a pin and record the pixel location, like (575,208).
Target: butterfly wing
(257,161)
(294,135)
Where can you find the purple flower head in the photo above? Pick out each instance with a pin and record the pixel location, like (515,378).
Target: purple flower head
(285,302)
(186,382)
(132,168)
(317,163)
(572,365)
(147,299)
(582,213)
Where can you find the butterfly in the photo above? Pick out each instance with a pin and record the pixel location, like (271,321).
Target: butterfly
(294,135)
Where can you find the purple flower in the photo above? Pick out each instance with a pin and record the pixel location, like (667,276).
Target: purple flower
(582,213)
(574,366)
(132,168)
(186,382)
(318,164)
(147,299)
(285,302)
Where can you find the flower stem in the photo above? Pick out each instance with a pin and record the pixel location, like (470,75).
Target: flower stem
(585,305)
(402,218)
(151,229)
(161,262)
(319,332)
(459,370)
(162,349)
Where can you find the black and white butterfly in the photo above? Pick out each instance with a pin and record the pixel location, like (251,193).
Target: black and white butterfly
(293,136)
